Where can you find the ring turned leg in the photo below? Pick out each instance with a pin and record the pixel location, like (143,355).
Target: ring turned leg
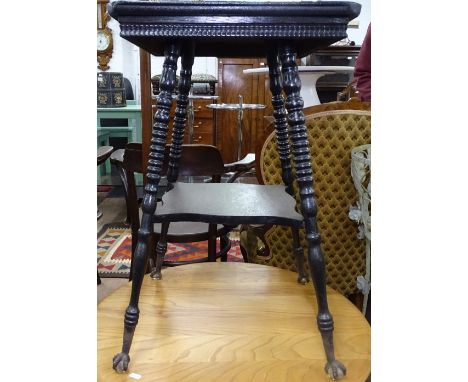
(282,144)
(302,277)
(301,155)
(161,249)
(153,176)
(281,123)
(180,118)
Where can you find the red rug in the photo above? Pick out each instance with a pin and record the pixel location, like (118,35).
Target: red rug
(114,249)
(103,188)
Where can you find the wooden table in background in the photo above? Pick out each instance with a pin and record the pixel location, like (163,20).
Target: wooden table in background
(309,76)
(230,322)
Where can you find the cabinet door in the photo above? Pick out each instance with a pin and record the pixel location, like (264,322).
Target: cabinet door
(232,82)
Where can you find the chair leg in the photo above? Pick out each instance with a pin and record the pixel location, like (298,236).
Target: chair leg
(161,249)
(123,178)
(224,241)
(301,155)
(245,256)
(212,242)
(155,164)
(302,277)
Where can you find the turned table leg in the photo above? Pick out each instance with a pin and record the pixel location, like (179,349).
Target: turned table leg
(180,120)
(153,176)
(161,249)
(180,117)
(301,156)
(282,145)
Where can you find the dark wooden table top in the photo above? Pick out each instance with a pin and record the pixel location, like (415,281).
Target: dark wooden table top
(234,28)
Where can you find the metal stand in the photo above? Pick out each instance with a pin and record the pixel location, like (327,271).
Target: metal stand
(240,116)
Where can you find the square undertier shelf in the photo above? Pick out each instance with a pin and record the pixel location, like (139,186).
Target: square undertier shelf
(229,204)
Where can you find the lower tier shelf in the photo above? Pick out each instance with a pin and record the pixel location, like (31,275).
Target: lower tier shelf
(228,204)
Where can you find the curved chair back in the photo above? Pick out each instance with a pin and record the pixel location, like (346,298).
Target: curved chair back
(331,134)
(198,160)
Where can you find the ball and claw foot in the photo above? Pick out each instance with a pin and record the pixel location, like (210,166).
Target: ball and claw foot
(120,362)
(302,280)
(155,275)
(335,370)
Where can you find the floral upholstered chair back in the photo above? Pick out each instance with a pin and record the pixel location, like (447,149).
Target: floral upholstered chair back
(332,135)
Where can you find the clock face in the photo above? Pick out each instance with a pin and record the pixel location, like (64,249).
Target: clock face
(103,41)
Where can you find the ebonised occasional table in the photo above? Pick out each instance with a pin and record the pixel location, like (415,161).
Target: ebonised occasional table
(280,31)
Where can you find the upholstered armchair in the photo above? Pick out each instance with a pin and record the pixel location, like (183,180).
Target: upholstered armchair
(333,130)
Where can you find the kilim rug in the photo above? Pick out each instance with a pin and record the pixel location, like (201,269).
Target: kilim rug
(114,251)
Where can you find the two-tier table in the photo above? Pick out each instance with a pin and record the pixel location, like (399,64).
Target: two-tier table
(280,31)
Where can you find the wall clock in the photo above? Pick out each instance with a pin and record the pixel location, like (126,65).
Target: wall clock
(104,36)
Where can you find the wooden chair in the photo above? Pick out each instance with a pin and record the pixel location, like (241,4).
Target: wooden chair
(333,130)
(103,153)
(349,92)
(196,161)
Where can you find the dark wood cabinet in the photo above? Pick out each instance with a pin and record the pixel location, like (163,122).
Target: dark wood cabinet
(204,124)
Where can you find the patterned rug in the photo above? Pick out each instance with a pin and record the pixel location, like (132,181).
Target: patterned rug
(114,250)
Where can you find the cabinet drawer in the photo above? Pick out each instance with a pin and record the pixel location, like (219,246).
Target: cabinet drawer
(201,111)
(203,125)
(203,138)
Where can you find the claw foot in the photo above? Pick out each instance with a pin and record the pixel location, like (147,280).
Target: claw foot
(335,370)
(302,280)
(155,275)
(120,362)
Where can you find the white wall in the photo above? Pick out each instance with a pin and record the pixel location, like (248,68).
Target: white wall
(126,58)
(364,18)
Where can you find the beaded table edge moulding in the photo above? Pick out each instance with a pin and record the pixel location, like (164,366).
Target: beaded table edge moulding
(281,32)
(252,26)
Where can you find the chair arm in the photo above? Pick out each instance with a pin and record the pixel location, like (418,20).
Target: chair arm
(117,157)
(247,162)
(103,153)
(253,242)
(240,167)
